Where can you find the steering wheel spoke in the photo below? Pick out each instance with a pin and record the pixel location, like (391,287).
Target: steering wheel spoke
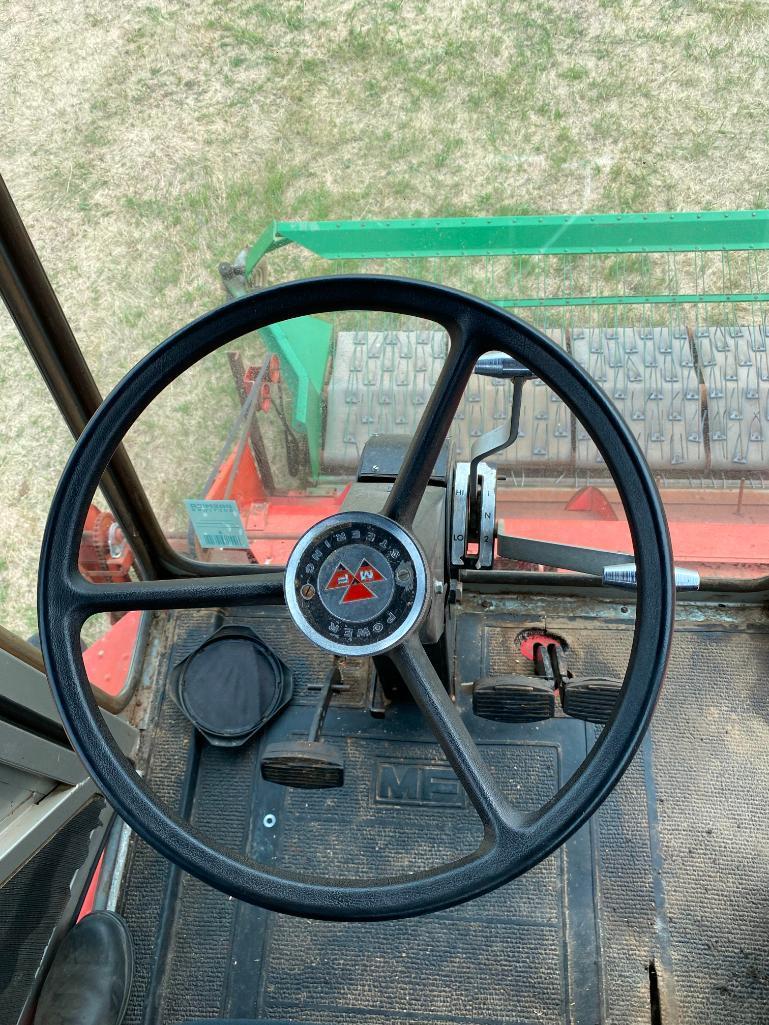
(432,431)
(181,593)
(495,811)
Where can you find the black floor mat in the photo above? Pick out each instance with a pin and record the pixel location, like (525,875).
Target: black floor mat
(678,878)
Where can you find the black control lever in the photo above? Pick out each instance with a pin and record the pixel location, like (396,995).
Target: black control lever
(475,482)
(501,437)
(505,368)
(311,764)
(616,569)
(498,364)
(592,698)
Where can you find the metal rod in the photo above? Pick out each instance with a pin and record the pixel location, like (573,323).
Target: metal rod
(112,866)
(250,408)
(21,649)
(257,440)
(333,680)
(498,438)
(41,322)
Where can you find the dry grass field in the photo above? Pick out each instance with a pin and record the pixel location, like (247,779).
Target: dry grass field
(145,143)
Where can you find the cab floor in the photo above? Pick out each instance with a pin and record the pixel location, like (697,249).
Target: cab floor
(656,911)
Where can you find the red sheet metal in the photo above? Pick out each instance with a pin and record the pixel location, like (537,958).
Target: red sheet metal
(703,543)
(244,485)
(273,527)
(90,894)
(108,660)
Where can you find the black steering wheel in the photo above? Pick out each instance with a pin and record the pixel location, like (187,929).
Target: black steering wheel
(513,842)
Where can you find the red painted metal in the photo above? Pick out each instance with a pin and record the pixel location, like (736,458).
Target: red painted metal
(244,486)
(532,641)
(90,893)
(591,499)
(108,660)
(271,377)
(274,526)
(249,376)
(720,549)
(710,529)
(104,556)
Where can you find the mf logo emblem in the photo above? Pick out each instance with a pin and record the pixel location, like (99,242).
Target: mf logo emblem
(356,585)
(421,783)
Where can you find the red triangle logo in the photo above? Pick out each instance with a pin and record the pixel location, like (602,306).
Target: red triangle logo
(367,574)
(357,592)
(341,577)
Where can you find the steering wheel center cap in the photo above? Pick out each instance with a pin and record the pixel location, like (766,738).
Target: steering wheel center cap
(356,584)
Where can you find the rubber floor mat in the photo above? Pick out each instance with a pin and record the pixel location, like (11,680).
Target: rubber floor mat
(672,872)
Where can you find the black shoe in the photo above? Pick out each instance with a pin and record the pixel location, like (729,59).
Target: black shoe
(89,980)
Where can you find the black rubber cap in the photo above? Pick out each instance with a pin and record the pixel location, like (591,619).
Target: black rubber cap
(89,980)
(232,685)
(229,686)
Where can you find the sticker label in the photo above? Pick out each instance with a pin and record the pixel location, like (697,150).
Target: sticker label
(217,524)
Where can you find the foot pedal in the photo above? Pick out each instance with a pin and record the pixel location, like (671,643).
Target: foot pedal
(590,698)
(306,764)
(309,764)
(515,698)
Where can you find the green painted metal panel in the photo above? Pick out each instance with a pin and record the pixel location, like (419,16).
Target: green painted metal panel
(633,300)
(495,236)
(303,345)
(267,241)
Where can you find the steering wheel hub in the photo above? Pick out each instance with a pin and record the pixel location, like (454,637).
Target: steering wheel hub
(356,584)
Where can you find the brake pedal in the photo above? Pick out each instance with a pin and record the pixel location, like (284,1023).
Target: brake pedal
(310,764)
(514,698)
(305,764)
(591,698)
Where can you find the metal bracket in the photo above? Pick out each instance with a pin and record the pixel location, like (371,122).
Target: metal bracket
(487,515)
(459,514)
(474,521)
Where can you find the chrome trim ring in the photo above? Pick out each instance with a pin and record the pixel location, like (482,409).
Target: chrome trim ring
(393,577)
